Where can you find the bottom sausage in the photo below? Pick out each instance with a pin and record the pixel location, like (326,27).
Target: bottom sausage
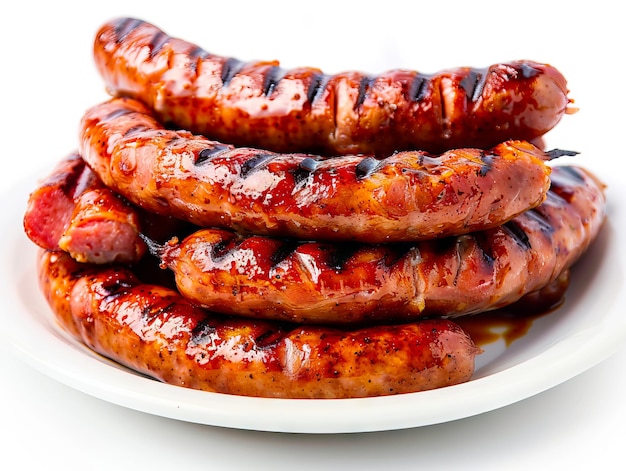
(153,330)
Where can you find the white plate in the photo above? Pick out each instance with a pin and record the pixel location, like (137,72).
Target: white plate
(588,328)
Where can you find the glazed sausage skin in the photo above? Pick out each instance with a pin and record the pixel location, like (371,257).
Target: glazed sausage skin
(153,330)
(406,196)
(313,282)
(259,104)
(73,211)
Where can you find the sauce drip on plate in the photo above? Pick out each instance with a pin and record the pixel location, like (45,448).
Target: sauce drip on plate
(513,322)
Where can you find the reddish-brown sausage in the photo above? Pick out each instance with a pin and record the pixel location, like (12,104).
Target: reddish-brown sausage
(406,196)
(341,283)
(73,211)
(260,104)
(153,330)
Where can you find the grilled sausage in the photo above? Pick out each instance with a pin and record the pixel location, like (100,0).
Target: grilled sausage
(406,196)
(259,104)
(73,211)
(151,329)
(314,282)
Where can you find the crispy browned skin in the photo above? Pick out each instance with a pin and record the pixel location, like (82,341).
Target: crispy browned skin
(260,104)
(406,196)
(340,283)
(153,330)
(73,211)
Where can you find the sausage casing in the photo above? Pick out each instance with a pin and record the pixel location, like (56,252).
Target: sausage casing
(406,196)
(260,104)
(73,211)
(153,330)
(319,282)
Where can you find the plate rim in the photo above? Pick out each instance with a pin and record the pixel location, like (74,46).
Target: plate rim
(480,395)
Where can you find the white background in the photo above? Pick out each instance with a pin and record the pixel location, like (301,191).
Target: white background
(48,80)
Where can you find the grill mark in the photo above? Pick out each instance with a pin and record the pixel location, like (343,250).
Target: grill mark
(364,86)
(445,124)
(304,169)
(255,163)
(419,86)
(196,55)
(564,180)
(487,160)
(271,79)
(149,313)
(559,174)
(220,249)
(517,234)
(117,114)
(76,181)
(316,87)
(157,42)
(207,154)
(554,198)
(309,164)
(528,71)
(560,195)
(115,289)
(544,224)
(269,339)
(283,251)
(473,83)
(339,254)
(367,167)
(135,130)
(201,332)
(300,175)
(230,68)
(124,27)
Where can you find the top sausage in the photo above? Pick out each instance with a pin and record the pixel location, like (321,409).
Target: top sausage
(260,104)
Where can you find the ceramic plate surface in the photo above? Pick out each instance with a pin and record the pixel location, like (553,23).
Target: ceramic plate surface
(588,328)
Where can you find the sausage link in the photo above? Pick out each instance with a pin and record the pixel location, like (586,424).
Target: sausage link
(260,104)
(405,196)
(73,211)
(316,282)
(153,330)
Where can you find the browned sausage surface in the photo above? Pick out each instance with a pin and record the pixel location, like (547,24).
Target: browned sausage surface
(260,104)
(341,283)
(153,330)
(73,211)
(405,196)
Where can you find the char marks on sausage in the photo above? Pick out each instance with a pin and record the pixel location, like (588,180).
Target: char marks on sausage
(408,195)
(315,235)
(153,330)
(72,210)
(316,282)
(260,104)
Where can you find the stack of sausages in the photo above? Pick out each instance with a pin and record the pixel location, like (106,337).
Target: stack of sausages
(241,228)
